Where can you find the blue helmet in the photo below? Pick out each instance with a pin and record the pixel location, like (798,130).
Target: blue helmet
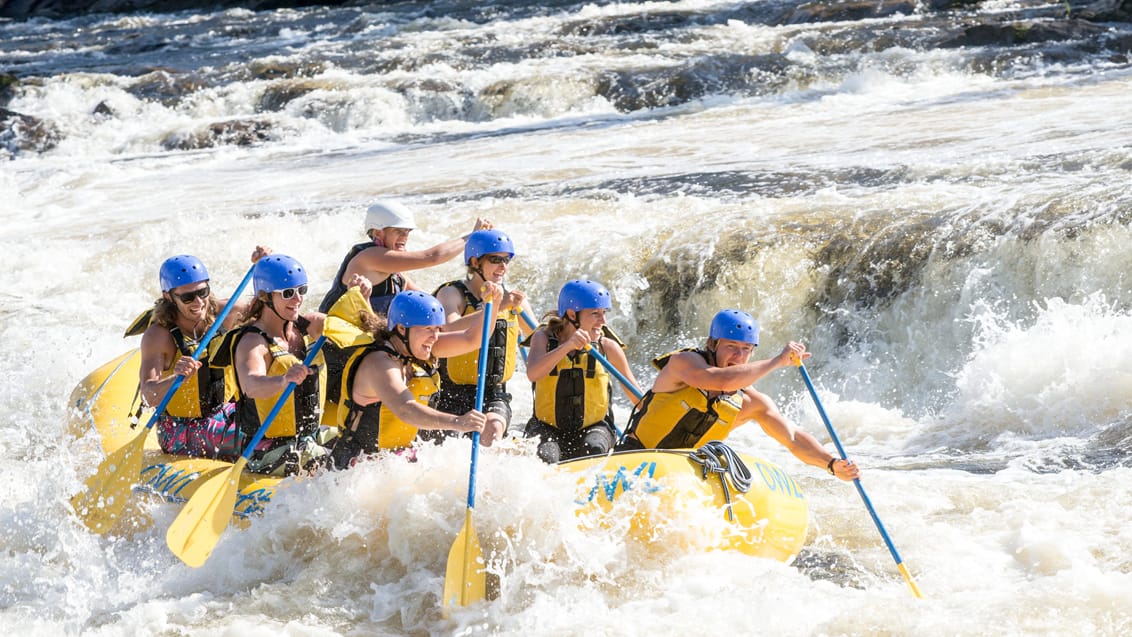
(735,325)
(278,272)
(483,242)
(413,308)
(583,294)
(182,269)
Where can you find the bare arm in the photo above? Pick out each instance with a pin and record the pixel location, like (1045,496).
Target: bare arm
(464,332)
(760,408)
(382,259)
(157,351)
(689,368)
(541,362)
(252,360)
(453,343)
(380,379)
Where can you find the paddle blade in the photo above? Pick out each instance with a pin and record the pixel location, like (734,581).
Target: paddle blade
(465,581)
(202,521)
(107,491)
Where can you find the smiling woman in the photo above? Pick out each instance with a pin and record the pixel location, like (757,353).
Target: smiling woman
(197,418)
(266,354)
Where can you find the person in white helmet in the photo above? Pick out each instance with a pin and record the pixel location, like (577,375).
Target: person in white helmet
(384,258)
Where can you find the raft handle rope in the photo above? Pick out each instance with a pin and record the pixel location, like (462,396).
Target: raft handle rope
(716,457)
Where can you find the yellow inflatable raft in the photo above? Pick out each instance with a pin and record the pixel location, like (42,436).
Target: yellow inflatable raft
(760,509)
(757,508)
(106,400)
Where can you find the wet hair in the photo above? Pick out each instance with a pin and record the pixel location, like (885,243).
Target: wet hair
(165,312)
(255,310)
(555,323)
(376,324)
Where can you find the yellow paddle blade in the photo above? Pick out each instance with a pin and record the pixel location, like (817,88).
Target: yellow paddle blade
(202,521)
(107,491)
(464,580)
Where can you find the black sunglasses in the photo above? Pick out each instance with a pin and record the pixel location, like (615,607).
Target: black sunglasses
(189,297)
(496,259)
(290,292)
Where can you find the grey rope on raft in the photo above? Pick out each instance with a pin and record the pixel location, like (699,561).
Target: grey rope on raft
(717,458)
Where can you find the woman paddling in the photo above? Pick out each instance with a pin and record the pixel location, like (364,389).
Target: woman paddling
(387,384)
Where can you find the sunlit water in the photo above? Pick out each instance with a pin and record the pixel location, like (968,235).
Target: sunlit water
(951,242)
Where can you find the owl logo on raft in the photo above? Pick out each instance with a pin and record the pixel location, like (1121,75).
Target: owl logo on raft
(641,478)
(167,481)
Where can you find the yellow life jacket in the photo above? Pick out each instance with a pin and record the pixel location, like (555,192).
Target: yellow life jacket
(686,418)
(575,394)
(502,346)
(369,428)
(199,395)
(299,416)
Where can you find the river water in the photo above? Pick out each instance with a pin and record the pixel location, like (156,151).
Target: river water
(943,221)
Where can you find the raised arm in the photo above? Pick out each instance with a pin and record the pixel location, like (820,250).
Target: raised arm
(465,333)
(688,368)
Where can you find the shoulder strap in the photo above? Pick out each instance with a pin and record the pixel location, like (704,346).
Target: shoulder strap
(469,298)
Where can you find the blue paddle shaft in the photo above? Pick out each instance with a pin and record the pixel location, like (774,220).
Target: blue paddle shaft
(616,373)
(202,347)
(841,450)
(481,380)
(281,401)
(601,359)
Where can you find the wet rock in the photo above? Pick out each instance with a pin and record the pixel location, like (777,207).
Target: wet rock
(23,133)
(229,133)
(1026,32)
(848,11)
(21,9)
(104,111)
(165,86)
(8,83)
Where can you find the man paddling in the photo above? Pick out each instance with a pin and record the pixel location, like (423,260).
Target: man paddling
(702,395)
(197,420)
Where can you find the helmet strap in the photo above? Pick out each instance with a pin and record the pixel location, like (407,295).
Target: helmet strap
(477,270)
(712,342)
(270,303)
(404,338)
(573,321)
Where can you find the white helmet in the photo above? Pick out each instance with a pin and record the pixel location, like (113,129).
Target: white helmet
(388,214)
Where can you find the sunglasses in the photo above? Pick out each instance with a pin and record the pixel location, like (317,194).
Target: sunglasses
(496,259)
(189,297)
(290,292)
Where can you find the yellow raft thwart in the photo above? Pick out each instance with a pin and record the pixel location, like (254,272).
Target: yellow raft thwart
(760,509)
(106,400)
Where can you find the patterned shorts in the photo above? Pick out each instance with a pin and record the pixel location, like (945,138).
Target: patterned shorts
(215,436)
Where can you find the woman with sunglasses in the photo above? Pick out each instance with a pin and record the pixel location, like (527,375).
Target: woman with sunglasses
(197,421)
(266,354)
(388,382)
(385,258)
(487,255)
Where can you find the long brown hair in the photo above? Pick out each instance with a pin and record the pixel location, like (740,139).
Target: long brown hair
(554,324)
(165,312)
